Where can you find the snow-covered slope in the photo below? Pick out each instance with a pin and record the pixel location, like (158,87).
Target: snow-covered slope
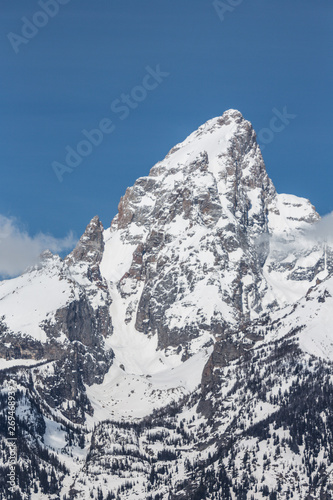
(310,320)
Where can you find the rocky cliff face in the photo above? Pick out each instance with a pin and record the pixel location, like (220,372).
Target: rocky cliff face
(170,354)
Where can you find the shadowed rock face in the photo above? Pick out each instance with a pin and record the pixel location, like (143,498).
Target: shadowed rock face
(84,359)
(89,250)
(91,245)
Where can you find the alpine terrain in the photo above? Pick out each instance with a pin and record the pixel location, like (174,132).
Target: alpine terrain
(184,352)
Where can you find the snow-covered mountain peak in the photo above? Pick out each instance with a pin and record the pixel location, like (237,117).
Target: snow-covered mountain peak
(185,255)
(189,256)
(219,164)
(215,138)
(46,255)
(209,293)
(222,127)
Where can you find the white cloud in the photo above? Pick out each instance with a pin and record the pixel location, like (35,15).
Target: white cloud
(322,231)
(318,233)
(19,250)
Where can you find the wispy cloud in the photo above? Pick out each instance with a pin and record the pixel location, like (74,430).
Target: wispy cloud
(321,231)
(19,250)
(304,240)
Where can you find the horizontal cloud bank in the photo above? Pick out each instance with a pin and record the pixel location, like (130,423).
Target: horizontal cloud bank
(18,250)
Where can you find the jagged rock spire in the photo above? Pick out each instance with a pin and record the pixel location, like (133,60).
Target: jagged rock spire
(91,245)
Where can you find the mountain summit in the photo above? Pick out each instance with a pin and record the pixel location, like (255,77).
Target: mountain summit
(195,238)
(175,353)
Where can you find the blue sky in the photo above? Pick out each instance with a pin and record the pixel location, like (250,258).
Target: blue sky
(262,55)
